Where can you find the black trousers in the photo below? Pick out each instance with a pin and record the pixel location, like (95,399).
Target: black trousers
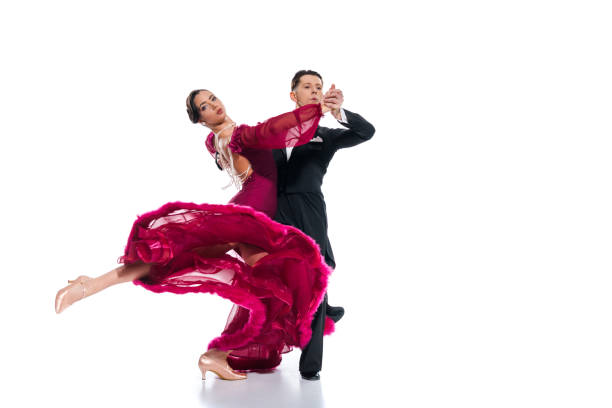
(311,359)
(306,212)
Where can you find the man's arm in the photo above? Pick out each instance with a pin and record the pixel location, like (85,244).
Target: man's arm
(359,130)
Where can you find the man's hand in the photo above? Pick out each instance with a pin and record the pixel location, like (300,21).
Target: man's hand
(334,99)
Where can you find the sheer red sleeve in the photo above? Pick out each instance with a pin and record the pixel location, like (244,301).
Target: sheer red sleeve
(287,130)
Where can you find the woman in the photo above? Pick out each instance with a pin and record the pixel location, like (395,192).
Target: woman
(278,279)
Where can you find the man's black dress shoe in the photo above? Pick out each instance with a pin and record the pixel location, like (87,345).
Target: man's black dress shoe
(334,312)
(311,377)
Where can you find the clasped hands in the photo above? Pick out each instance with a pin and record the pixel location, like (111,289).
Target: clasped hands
(332,101)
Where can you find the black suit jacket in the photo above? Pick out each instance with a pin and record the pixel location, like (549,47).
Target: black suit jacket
(300,199)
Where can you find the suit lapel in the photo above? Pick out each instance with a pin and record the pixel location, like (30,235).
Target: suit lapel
(304,146)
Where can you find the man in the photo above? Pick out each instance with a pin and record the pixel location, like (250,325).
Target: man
(300,200)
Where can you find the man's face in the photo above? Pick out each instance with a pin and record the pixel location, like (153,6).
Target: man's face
(309,90)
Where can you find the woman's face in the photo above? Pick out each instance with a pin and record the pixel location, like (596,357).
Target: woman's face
(211,109)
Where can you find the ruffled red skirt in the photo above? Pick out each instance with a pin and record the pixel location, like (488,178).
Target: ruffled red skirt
(275,299)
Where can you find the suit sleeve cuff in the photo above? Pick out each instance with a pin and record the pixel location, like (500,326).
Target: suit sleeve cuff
(342,119)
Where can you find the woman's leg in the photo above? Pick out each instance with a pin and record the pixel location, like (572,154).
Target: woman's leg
(83,286)
(250,253)
(215,360)
(215,251)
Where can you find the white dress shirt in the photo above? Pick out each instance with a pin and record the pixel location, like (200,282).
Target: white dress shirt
(342,120)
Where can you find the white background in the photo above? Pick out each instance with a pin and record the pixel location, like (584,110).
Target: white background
(472,233)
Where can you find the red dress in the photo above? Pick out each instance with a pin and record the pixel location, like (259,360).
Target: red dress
(277,297)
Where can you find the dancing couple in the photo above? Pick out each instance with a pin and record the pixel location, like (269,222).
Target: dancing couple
(275,274)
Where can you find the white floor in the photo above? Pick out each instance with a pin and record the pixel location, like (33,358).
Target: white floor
(283,388)
(128,347)
(95,356)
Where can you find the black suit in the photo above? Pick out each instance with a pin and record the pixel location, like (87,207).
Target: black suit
(302,205)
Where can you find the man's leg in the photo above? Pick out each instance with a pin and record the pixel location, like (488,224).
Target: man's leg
(333,312)
(311,359)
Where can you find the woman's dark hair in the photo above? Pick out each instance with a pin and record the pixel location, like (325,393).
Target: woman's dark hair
(192,110)
(296,78)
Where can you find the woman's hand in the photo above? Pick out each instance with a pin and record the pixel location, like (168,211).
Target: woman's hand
(325,108)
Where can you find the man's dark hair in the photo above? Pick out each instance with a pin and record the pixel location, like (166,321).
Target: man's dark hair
(296,78)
